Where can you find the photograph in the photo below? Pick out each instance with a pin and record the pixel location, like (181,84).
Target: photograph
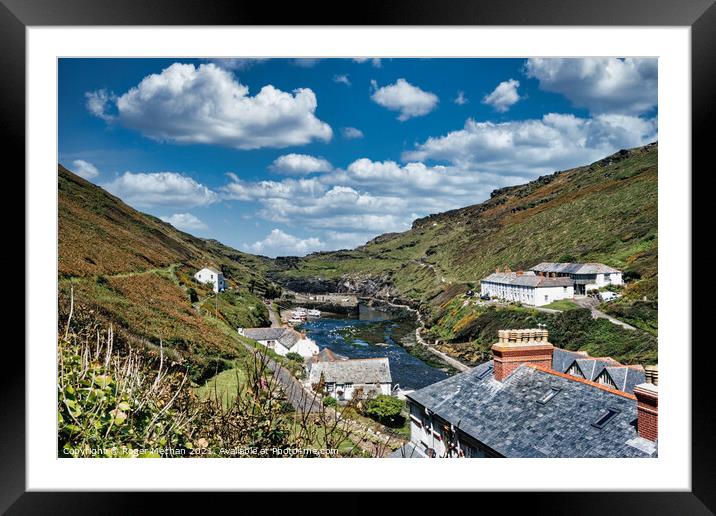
(357,257)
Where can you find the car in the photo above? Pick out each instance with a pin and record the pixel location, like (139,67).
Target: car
(485,297)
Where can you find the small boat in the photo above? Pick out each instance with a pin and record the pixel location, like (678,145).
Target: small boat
(314,313)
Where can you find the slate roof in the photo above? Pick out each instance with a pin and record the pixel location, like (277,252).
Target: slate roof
(527,279)
(365,370)
(409,450)
(286,336)
(506,416)
(327,355)
(562,359)
(626,377)
(573,268)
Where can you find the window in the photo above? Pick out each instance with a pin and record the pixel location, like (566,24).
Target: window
(485,372)
(553,391)
(605,418)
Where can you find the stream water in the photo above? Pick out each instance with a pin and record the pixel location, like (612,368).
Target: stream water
(374,334)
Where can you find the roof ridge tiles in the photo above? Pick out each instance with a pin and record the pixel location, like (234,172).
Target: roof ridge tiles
(582,380)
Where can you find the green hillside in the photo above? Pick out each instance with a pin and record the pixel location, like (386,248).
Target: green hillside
(604,212)
(136,272)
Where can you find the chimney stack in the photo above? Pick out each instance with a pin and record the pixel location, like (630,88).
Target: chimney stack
(647,407)
(507,269)
(516,347)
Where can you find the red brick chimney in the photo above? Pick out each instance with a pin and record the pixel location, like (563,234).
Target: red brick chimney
(517,347)
(647,406)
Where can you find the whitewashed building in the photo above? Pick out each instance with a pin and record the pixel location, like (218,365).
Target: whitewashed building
(346,380)
(586,276)
(526,287)
(213,276)
(282,340)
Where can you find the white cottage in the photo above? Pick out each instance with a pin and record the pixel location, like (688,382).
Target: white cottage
(282,340)
(346,380)
(213,276)
(526,287)
(586,276)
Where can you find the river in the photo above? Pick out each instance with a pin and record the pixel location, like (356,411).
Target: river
(363,336)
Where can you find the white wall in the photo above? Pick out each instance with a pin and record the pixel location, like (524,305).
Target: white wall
(349,390)
(276,346)
(206,276)
(526,295)
(305,347)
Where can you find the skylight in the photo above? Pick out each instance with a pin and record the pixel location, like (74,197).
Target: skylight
(605,418)
(550,394)
(483,374)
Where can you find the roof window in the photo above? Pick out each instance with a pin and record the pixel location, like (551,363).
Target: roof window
(605,418)
(553,391)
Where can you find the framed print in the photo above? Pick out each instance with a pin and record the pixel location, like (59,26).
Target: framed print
(441,236)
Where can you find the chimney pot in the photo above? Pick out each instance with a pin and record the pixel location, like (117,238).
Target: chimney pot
(517,347)
(647,406)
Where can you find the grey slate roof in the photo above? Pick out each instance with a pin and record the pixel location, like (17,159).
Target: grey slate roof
(562,359)
(365,370)
(409,450)
(507,417)
(573,268)
(527,279)
(626,378)
(286,336)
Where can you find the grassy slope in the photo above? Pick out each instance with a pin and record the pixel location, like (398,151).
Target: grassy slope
(136,271)
(604,212)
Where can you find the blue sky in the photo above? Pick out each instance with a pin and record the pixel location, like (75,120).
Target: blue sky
(287,157)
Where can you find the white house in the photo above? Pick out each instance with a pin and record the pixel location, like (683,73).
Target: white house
(586,276)
(211,275)
(346,380)
(282,340)
(526,287)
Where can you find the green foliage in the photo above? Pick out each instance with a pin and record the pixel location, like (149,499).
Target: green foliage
(572,329)
(110,406)
(330,401)
(385,409)
(295,357)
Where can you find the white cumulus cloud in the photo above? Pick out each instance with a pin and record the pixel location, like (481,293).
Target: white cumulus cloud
(300,164)
(351,133)
(536,146)
(160,189)
(461,99)
(402,96)
(280,243)
(84,169)
(504,96)
(601,85)
(207,105)
(185,222)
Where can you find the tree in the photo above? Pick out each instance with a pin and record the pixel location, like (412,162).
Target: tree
(385,409)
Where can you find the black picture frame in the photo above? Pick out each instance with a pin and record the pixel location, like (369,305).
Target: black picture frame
(700,15)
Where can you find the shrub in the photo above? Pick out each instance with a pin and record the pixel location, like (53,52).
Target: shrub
(294,356)
(385,409)
(193,296)
(330,401)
